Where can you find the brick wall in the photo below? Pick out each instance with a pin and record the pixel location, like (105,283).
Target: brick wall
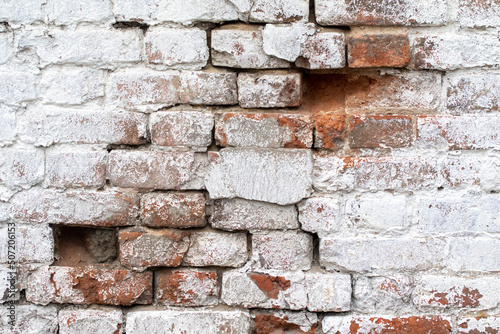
(258,166)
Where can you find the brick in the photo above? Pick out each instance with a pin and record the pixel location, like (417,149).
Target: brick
(17,87)
(88,285)
(267,250)
(407,91)
(375,255)
(380,211)
(184,48)
(30,319)
(21,13)
(106,321)
(153,170)
(239,214)
(21,167)
(478,14)
(380,131)
(320,214)
(71,85)
(282,321)
(378,50)
(143,248)
(383,294)
(237,46)
(188,321)
(187,12)
(32,244)
(10,282)
(264,130)
(83,46)
(467,254)
(268,175)
(478,325)
(428,324)
(287,290)
(177,210)
(287,41)
(462,171)
(454,213)
(444,292)
(186,287)
(220,249)
(386,13)
(280,11)
(450,51)
(60,125)
(324,50)
(6,48)
(145,87)
(473,93)
(8,125)
(64,12)
(330,131)
(458,133)
(76,207)
(262,90)
(182,129)
(61,171)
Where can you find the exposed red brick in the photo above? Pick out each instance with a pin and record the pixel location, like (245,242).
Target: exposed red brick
(330,131)
(380,131)
(465,298)
(270,324)
(379,50)
(271,285)
(401,325)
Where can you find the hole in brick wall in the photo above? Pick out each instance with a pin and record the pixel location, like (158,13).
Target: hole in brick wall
(324,92)
(131,24)
(77,246)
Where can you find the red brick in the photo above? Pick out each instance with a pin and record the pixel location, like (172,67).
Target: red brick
(186,287)
(286,322)
(89,285)
(177,210)
(264,130)
(142,248)
(479,325)
(380,131)
(330,131)
(378,50)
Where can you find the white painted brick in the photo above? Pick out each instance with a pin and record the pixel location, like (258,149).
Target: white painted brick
(30,319)
(473,93)
(374,255)
(320,214)
(239,214)
(8,125)
(182,129)
(177,48)
(70,168)
(383,294)
(17,87)
(9,278)
(71,85)
(470,171)
(216,249)
(6,49)
(324,50)
(450,51)
(475,254)
(377,211)
(478,325)
(82,126)
(478,14)
(268,250)
(242,48)
(277,176)
(23,12)
(188,322)
(328,292)
(81,321)
(32,244)
(287,41)
(279,11)
(67,12)
(21,167)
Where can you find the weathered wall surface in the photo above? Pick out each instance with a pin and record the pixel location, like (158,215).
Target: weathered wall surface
(237,166)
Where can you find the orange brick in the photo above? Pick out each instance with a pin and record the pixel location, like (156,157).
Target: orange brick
(379,50)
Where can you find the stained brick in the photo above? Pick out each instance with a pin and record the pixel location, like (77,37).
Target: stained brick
(473,93)
(380,131)
(21,167)
(81,321)
(324,50)
(379,50)
(330,131)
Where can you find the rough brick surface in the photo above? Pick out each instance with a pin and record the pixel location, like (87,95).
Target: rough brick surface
(87,285)
(65,12)
(478,325)
(478,14)
(279,11)
(238,214)
(26,12)
(379,50)
(33,244)
(467,254)
(30,319)
(383,293)
(106,321)
(264,130)
(20,167)
(177,210)
(320,214)
(380,131)
(473,93)
(281,321)
(330,131)
(17,87)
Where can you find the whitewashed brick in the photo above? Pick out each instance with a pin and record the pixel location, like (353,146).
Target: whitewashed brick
(475,254)
(216,249)
(268,250)
(23,12)
(450,51)
(383,294)
(182,129)
(9,281)
(478,325)
(324,50)
(239,214)
(461,171)
(71,85)
(478,14)
(242,48)
(287,41)
(320,214)
(30,319)
(6,49)
(262,90)
(66,12)
(21,167)
(177,48)
(32,244)
(374,255)
(277,176)
(279,11)
(60,125)
(328,292)
(8,125)
(17,87)
(188,322)
(473,93)
(81,321)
